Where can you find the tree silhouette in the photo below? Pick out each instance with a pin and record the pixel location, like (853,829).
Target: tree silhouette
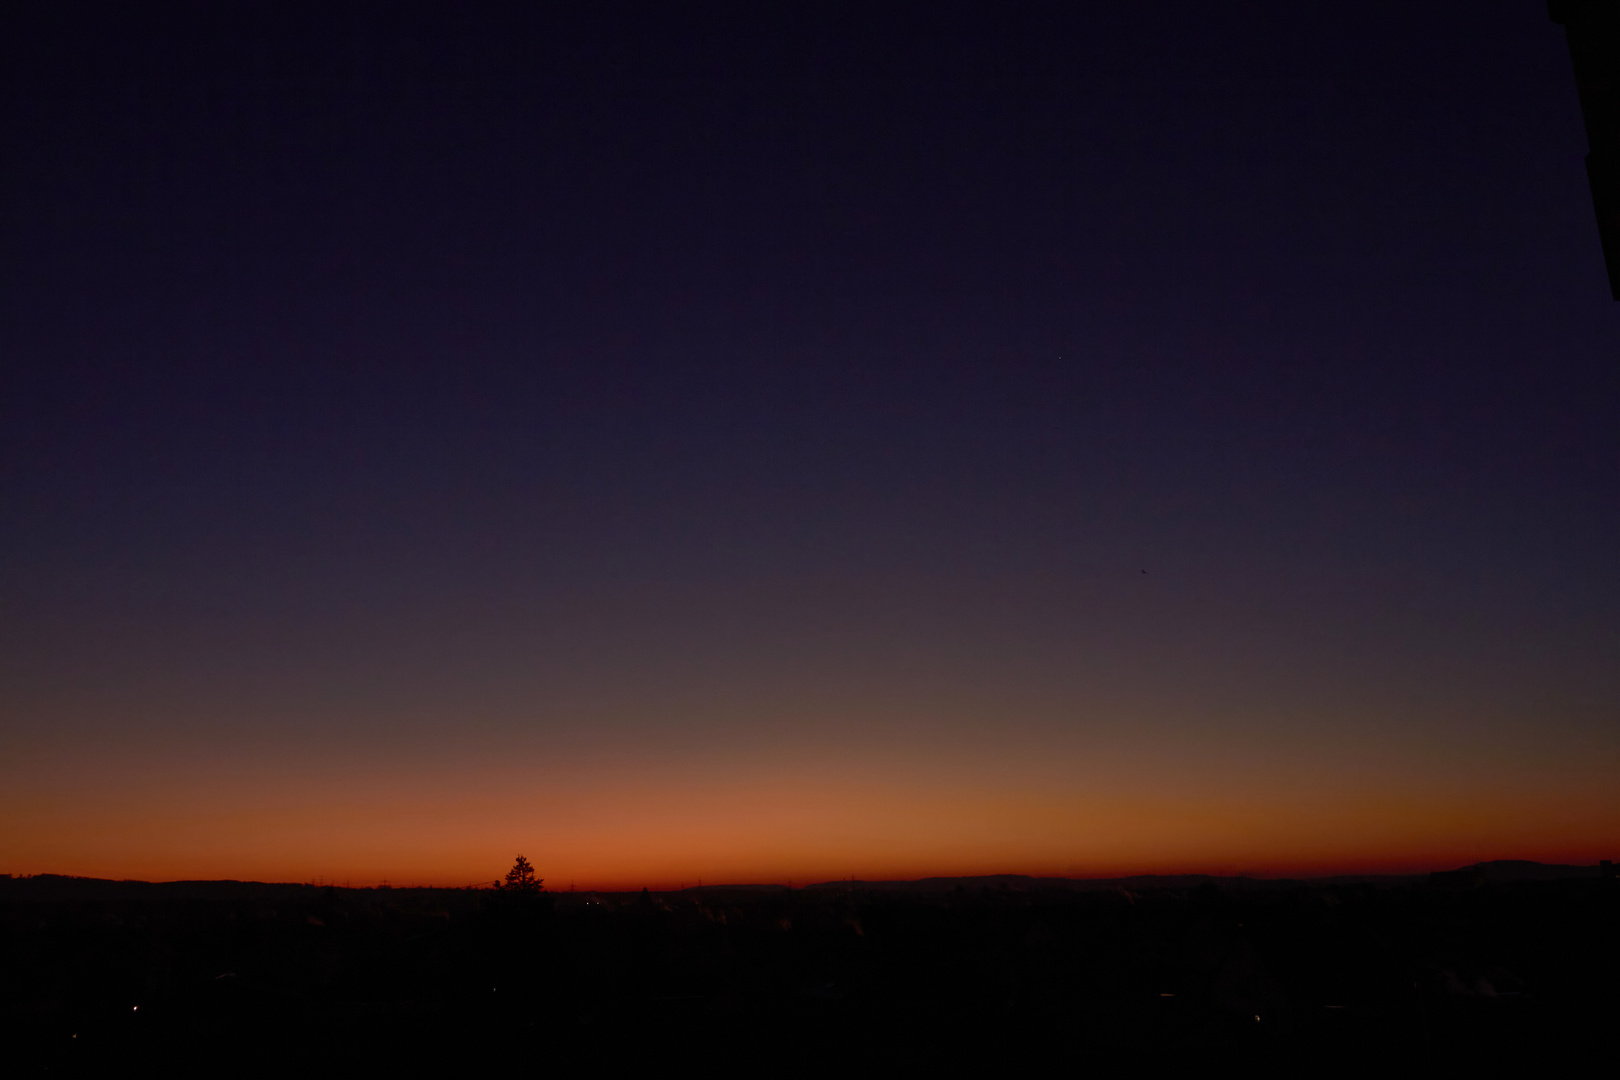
(521,880)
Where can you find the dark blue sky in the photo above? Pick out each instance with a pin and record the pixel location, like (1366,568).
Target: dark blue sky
(716,380)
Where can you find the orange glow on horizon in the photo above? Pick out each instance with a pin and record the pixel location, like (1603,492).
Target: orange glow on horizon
(864,795)
(790,829)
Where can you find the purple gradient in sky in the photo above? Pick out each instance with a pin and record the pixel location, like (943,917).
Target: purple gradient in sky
(1022,410)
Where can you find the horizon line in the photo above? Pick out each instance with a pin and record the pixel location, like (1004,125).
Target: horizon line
(699,885)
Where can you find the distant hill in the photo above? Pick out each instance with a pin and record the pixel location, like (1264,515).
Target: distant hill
(1500,871)
(1503,871)
(1136,883)
(64,887)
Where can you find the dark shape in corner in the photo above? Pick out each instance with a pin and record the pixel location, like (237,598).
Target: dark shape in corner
(1593,30)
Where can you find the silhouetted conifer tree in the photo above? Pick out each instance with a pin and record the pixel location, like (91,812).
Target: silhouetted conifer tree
(520,879)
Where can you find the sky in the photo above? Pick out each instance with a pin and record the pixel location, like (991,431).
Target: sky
(790,442)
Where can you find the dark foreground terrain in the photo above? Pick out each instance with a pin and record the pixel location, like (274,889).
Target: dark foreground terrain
(1501,966)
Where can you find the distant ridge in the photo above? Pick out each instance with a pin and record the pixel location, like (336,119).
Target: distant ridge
(1135,883)
(65,887)
(1502,871)
(1499,871)
(1496,872)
